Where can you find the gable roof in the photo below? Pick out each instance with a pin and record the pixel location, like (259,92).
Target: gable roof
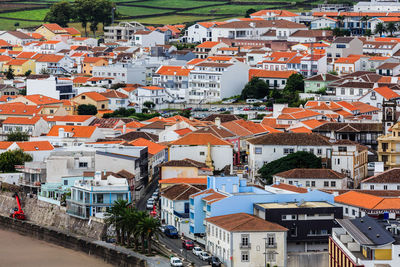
(243,222)
(200,139)
(185,163)
(35,146)
(358,199)
(78,131)
(93,95)
(311,173)
(152,148)
(135,135)
(19,120)
(386,92)
(391,176)
(305,139)
(289,187)
(181,191)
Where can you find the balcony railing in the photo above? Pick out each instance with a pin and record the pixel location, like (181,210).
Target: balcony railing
(245,245)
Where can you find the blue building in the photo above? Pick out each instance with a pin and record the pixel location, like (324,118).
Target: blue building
(93,197)
(228,195)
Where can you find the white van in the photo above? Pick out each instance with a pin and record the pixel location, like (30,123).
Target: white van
(252,101)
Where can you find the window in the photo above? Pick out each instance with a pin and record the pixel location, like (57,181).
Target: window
(372,187)
(293,231)
(342,149)
(271,239)
(326,184)
(385,187)
(65,182)
(333,183)
(83,97)
(258,150)
(83,164)
(353,212)
(271,256)
(346,210)
(319,151)
(245,240)
(245,256)
(313,183)
(307,183)
(202,153)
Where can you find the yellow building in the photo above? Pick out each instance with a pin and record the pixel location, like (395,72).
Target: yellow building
(90,62)
(50,30)
(389,148)
(91,98)
(20,66)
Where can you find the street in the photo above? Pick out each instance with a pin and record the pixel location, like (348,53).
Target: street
(176,246)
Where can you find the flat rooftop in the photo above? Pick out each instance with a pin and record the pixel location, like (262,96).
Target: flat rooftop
(292,205)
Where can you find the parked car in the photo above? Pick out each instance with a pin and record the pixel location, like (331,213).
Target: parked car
(214,261)
(175,261)
(162,228)
(187,244)
(155,195)
(149,204)
(204,255)
(252,101)
(229,101)
(171,231)
(196,251)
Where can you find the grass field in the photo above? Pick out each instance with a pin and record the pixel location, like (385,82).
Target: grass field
(179,11)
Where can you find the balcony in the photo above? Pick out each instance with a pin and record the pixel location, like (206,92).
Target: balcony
(245,245)
(271,245)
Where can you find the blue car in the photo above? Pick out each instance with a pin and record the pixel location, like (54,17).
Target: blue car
(171,231)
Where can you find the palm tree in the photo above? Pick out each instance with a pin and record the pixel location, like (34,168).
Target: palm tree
(365,20)
(149,228)
(391,27)
(130,220)
(340,20)
(380,28)
(114,218)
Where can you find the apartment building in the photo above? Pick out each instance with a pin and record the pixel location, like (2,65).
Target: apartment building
(389,148)
(123,31)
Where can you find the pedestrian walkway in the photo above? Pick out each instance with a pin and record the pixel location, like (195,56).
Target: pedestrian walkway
(155,261)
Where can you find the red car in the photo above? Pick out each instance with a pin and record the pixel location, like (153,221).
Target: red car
(187,244)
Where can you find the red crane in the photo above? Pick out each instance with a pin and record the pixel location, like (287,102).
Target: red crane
(18,212)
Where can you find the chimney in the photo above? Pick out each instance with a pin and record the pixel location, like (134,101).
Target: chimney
(124,129)
(218,121)
(61,132)
(323,33)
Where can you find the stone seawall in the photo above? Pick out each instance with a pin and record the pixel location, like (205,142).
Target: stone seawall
(70,241)
(49,215)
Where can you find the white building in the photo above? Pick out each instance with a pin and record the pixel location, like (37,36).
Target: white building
(116,99)
(148,38)
(200,32)
(210,81)
(155,94)
(387,180)
(202,147)
(377,6)
(16,38)
(51,87)
(345,46)
(122,73)
(54,64)
(241,239)
(34,126)
(312,178)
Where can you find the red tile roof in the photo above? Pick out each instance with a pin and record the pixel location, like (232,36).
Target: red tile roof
(183,181)
(200,139)
(24,121)
(78,131)
(289,187)
(152,148)
(50,58)
(93,95)
(270,73)
(386,92)
(35,146)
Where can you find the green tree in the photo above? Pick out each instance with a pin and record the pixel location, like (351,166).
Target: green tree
(83,12)
(27,73)
(114,217)
(295,82)
(364,23)
(187,113)
(93,12)
(249,11)
(255,88)
(149,228)
(380,28)
(10,158)
(149,105)
(299,159)
(368,32)
(17,136)
(391,27)
(10,73)
(60,13)
(87,109)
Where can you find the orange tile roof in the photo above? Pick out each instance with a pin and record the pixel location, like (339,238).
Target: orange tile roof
(26,55)
(54,27)
(81,79)
(35,146)
(5,144)
(49,58)
(92,59)
(24,121)
(93,95)
(183,181)
(210,24)
(16,62)
(207,44)
(301,114)
(183,131)
(134,124)
(69,118)
(200,139)
(378,58)
(195,61)
(152,148)
(19,109)
(301,130)
(270,73)
(347,60)
(4,43)
(343,113)
(41,99)
(346,105)
(278,13)
(358,199)
(312,123)
(173,70)
(152,87)
(4,58)
(386,92)
(114,94)
(78,131)
(72,31)
(388,204)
